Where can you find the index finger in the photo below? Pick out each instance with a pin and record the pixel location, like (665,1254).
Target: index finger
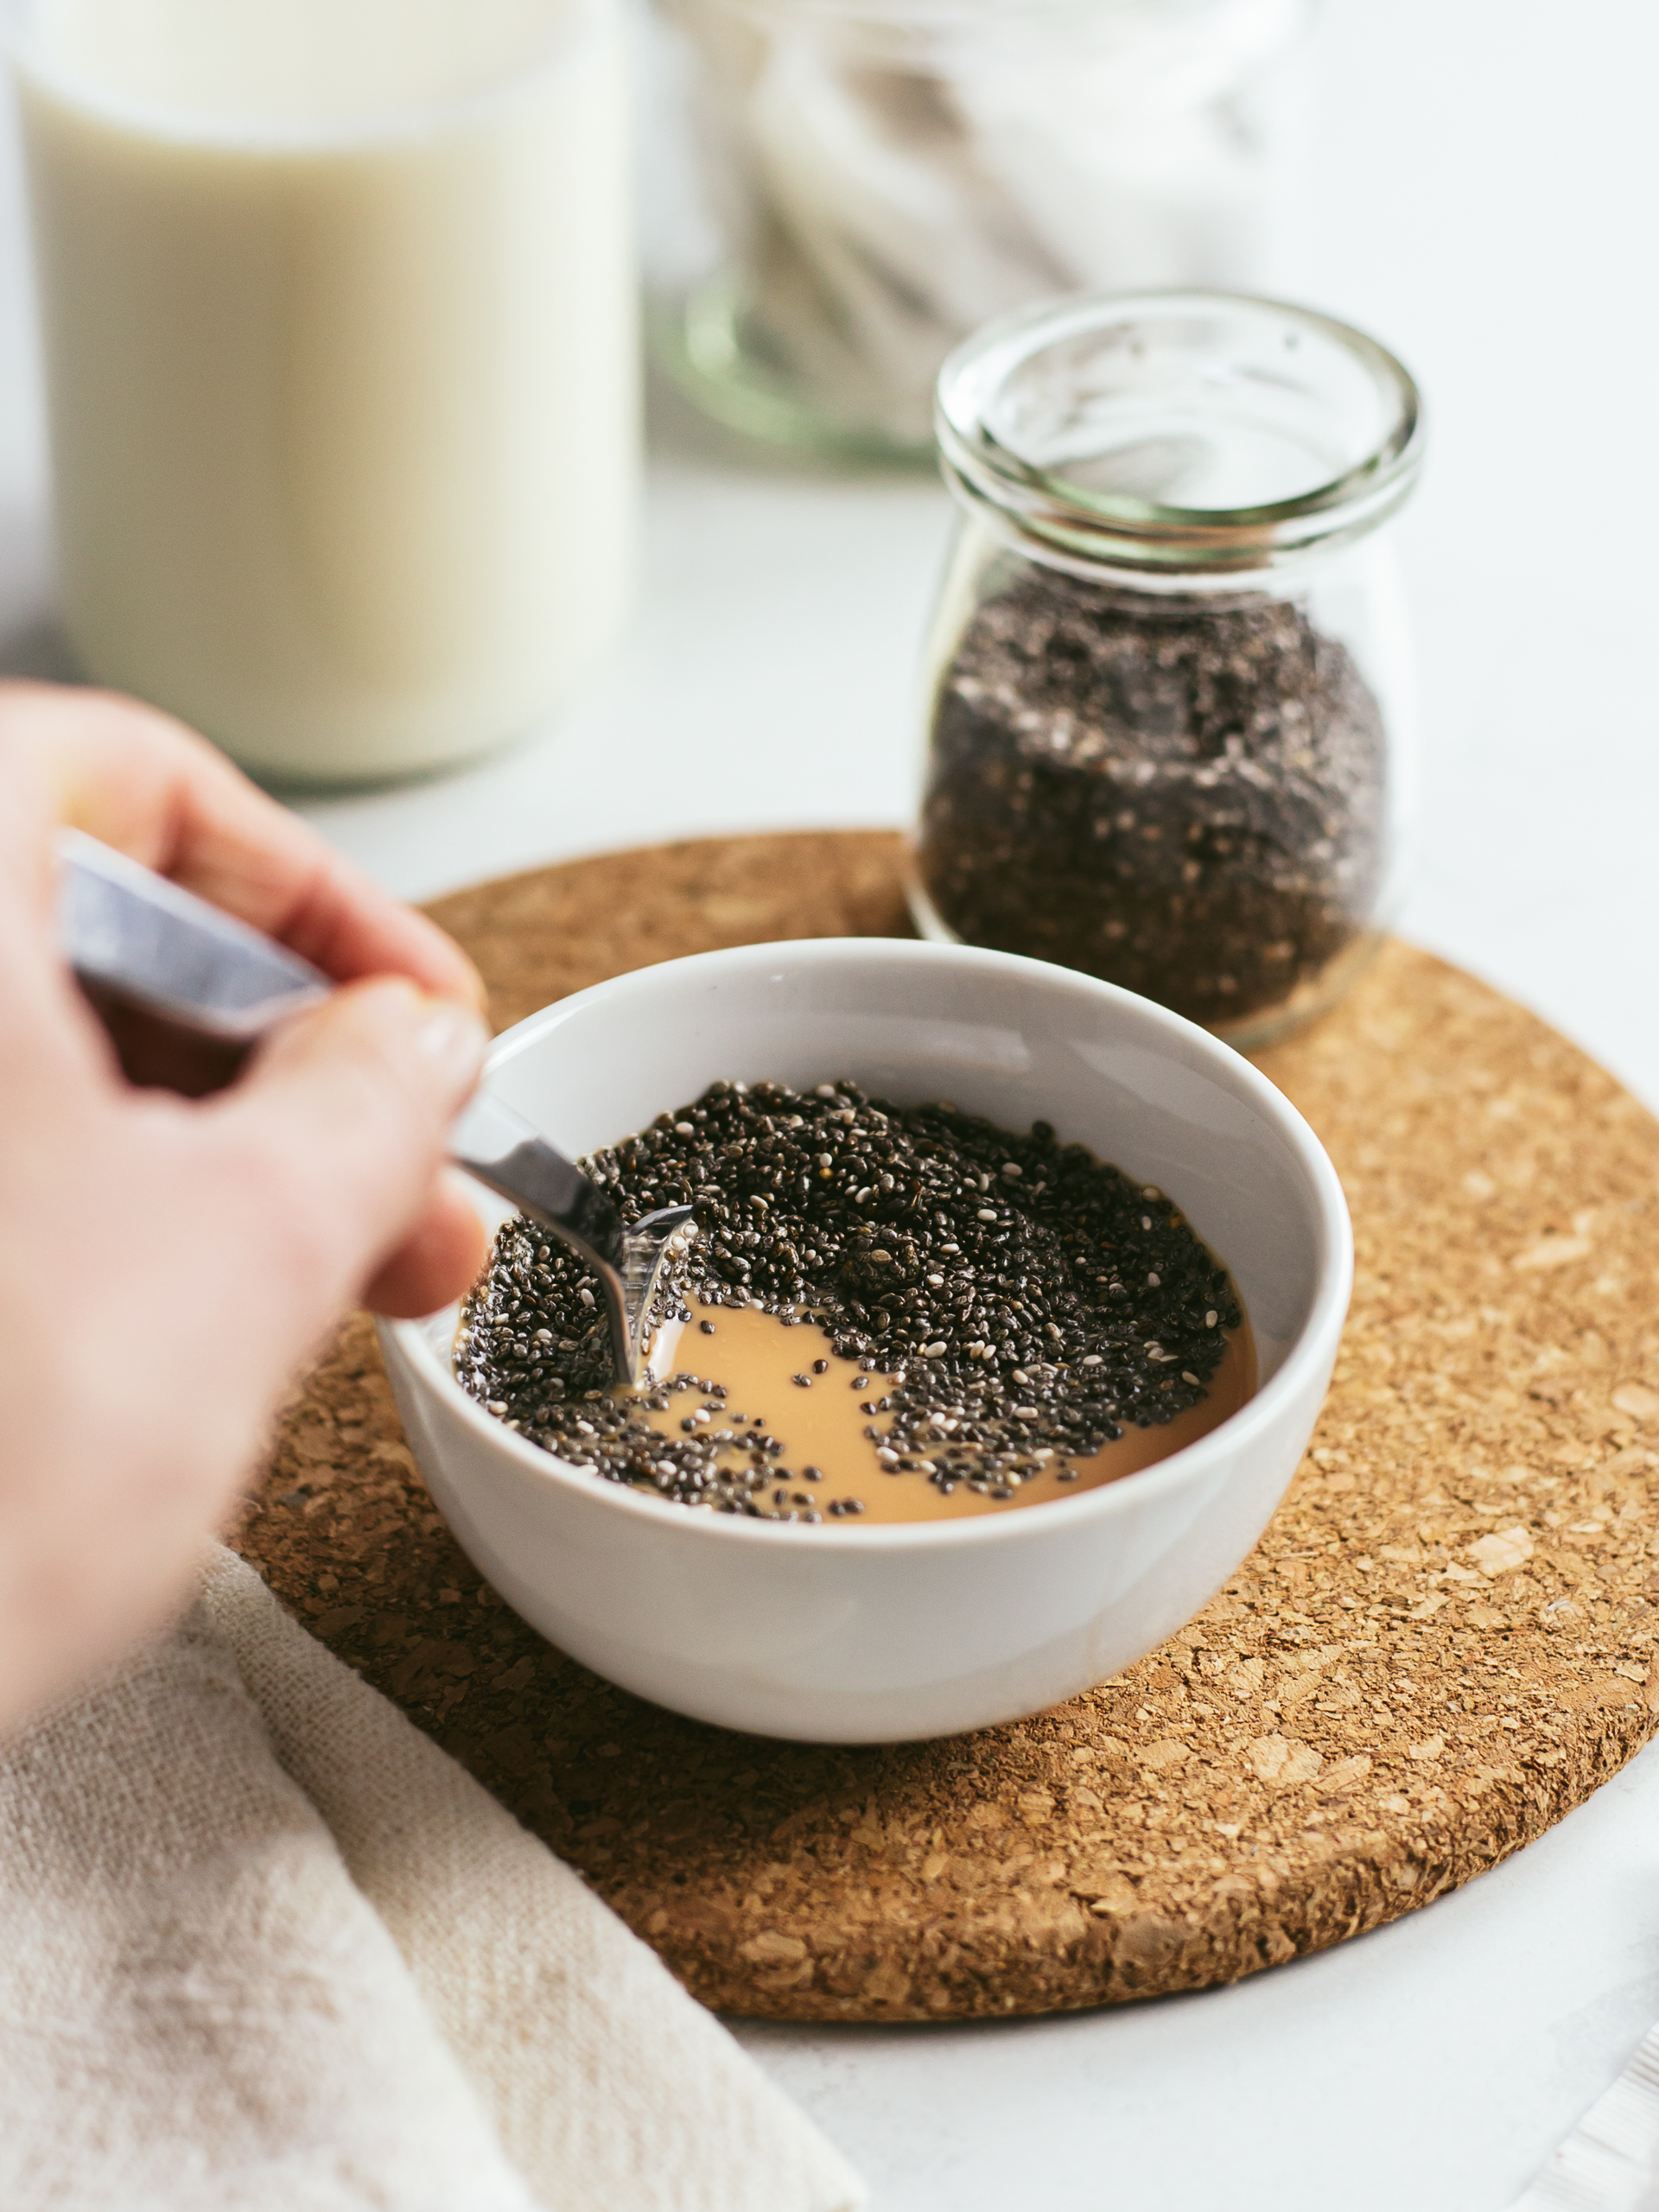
(144,783)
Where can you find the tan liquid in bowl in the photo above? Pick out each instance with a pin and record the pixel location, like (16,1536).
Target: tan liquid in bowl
(822,1420)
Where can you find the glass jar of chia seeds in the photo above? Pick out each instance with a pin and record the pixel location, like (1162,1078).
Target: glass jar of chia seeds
(1168,709)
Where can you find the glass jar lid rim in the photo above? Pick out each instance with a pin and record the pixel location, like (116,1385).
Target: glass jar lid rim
(928,12)
(1046,502)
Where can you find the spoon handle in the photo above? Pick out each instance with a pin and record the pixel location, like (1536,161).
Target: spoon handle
(131,934)
(136,941)
(501,1148)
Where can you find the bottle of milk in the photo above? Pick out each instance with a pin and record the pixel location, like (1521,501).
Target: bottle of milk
(339,308)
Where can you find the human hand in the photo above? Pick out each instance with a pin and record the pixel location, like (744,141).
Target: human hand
(166,1265)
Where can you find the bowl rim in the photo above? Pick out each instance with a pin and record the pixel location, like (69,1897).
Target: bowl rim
(1315,1344)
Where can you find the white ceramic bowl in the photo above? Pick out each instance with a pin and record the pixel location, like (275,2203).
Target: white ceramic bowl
(836,1633)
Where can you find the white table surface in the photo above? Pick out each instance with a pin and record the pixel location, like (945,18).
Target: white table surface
(1487,172)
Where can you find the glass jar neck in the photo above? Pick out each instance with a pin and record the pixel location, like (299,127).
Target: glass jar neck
(1178,436)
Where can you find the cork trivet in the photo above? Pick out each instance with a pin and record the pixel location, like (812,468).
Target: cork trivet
(1445,1641)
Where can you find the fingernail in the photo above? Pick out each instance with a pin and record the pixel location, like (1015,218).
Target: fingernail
(454,1040)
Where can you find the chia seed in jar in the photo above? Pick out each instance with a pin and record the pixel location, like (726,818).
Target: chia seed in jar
(1186,798)
(1166,690)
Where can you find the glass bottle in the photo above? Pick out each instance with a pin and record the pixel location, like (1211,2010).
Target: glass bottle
(1168,685)
(338,302)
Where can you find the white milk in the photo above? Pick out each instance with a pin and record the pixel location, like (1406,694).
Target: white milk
(338,302)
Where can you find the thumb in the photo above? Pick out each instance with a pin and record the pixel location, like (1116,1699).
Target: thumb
(345,1112)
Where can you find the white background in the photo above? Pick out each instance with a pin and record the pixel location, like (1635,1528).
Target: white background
(1486,190)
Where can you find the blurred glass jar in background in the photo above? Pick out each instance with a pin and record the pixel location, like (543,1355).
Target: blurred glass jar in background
(881,177)
(1168,687)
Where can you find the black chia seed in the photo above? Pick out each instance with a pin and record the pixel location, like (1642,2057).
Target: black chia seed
(1184,796)
(1021,1300)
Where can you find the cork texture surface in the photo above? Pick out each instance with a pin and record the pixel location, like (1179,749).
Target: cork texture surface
(1445,1641)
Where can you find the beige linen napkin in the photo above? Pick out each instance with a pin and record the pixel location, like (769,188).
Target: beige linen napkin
(263,1944)
(1609,2163)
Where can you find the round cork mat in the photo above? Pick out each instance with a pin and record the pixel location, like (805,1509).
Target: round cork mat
(1444,1642)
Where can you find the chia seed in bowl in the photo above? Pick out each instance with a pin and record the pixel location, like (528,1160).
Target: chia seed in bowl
(1004,1308)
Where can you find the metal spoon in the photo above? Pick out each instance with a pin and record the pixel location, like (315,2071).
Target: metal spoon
(187,990)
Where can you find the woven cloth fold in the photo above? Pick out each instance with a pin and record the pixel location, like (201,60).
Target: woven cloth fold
(1609,2163)
(266,1945)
